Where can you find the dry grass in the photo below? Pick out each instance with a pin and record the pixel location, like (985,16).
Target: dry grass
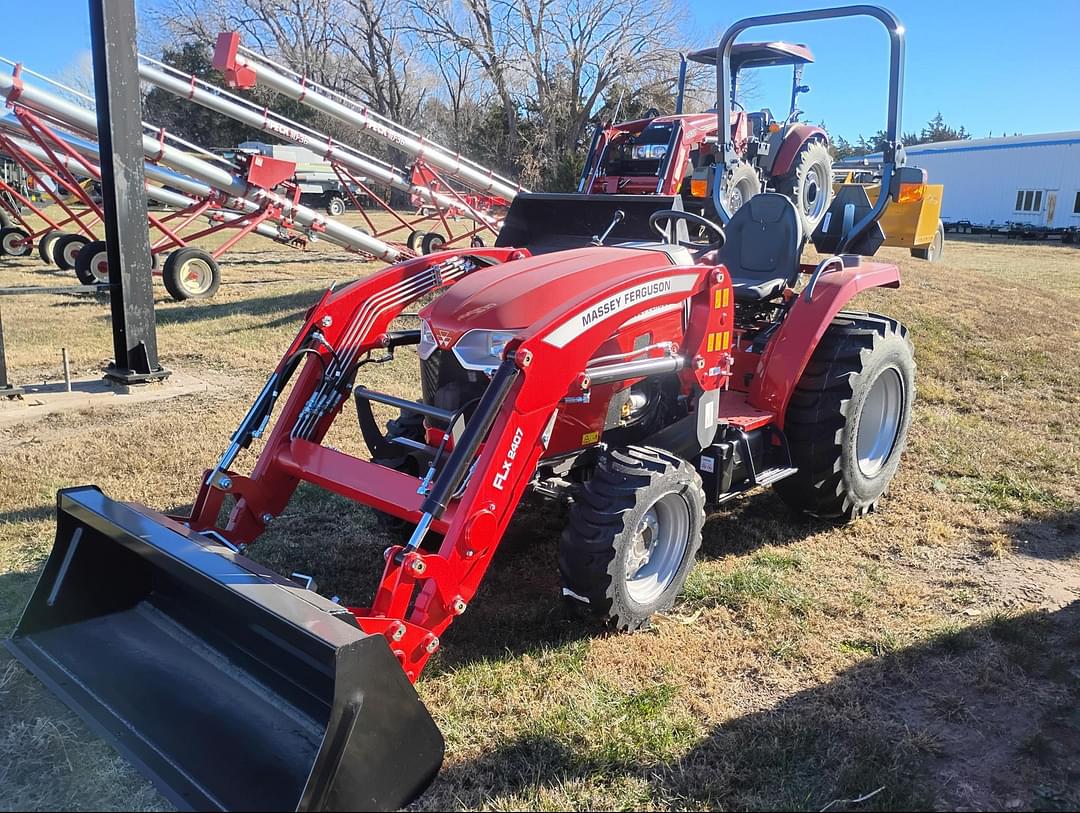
(930,649)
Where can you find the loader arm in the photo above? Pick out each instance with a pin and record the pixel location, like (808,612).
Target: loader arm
(341,330)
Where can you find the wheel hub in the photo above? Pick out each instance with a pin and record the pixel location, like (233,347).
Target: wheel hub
(196,276)
(658,548)
(879,421)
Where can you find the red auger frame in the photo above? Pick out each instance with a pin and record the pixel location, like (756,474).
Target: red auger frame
(58,161)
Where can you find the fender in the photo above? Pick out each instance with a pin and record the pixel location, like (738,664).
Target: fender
(796,137)
(787,354)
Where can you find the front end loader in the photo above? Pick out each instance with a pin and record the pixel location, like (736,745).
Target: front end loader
(602,359)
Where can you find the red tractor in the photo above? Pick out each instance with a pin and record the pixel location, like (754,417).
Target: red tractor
(669,155)
(595,355)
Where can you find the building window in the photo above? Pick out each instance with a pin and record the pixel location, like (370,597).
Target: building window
(1029,200)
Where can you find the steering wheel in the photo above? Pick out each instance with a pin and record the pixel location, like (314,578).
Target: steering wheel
(672,215)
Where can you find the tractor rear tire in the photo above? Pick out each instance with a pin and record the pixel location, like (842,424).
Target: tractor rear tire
(14,242)
(741,183)
(848,419)
(932,253)
(66,249)
(633,532)
(92,264)
(809,184)
(191,273)
(45,245)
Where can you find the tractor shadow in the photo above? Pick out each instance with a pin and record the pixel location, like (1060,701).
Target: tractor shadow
(982,718)
(519,607)
(1055,537)
(753,521)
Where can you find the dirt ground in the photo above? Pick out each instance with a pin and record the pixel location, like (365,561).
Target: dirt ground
(928,654)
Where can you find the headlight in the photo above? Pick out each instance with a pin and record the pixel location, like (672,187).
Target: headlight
(427,340)
(649,152)
(482,349)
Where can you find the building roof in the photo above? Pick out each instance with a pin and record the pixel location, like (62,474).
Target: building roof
(972,145)
(1005,143)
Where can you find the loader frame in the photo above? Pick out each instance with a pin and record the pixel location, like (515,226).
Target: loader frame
(421,592)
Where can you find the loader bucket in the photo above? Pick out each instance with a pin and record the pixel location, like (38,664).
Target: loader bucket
(550,221)
(228,686)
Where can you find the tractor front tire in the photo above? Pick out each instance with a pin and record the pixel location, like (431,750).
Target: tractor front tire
(809,184)
(634,530)
(932,253)
(741,183)
(191,273)
(848,419)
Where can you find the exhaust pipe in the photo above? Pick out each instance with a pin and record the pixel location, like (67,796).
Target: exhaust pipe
(229,686)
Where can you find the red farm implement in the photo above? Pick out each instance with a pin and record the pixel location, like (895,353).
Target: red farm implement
(596,355)
(258,195)
(444,187)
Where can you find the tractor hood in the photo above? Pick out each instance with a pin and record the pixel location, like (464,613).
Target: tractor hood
(520,293)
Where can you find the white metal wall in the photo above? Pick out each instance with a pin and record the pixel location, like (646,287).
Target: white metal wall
(982,177)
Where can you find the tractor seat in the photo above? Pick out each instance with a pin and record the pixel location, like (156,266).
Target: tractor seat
(763,247)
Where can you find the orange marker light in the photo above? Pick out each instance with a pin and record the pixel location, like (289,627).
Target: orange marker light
(911,192)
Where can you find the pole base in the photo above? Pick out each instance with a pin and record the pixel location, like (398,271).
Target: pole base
(127,378)
(10,391)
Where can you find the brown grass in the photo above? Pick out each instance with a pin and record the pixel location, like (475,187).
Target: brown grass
(930,649)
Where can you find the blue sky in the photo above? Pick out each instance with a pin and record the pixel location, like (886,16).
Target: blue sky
(998,66)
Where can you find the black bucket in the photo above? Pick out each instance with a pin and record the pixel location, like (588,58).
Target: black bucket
(549,221)
(230,687)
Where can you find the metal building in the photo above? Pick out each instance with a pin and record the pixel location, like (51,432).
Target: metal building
(1032,180)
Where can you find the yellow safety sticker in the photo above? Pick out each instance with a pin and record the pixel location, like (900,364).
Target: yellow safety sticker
(590,437)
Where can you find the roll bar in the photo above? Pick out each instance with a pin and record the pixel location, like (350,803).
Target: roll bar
(896,92)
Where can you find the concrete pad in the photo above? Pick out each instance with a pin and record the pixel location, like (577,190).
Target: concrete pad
(92,393)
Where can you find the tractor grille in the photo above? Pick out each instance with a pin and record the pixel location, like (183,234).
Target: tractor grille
(448,385)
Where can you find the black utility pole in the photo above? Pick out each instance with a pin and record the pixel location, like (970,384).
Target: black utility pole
(119,115)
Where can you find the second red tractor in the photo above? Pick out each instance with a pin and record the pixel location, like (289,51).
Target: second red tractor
(677,154)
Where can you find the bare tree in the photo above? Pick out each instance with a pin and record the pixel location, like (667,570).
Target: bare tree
(551,61)
(375,46)
(301,33)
